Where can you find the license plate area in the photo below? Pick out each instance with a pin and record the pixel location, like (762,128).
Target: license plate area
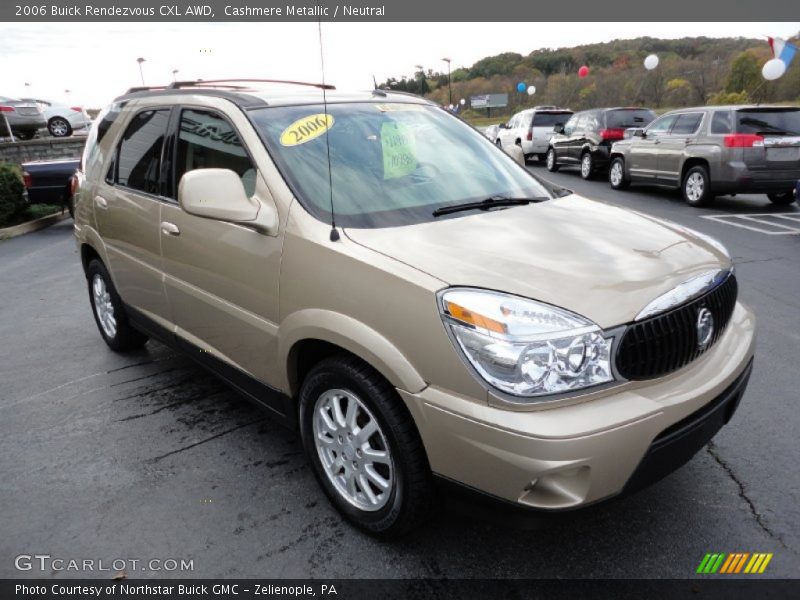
(783,154)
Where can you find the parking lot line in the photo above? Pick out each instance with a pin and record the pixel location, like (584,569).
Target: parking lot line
(753,221)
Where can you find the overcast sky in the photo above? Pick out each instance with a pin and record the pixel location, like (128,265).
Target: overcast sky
(97,61)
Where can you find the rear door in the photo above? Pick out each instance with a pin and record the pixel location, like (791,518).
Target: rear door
(779,153)
(127,208)
(672,146)
(560,141)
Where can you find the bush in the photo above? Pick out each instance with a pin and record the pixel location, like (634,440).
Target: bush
(12,199)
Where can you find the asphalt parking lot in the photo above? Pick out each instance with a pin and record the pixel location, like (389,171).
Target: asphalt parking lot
(146,456)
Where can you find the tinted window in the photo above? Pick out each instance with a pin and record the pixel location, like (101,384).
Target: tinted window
(629,117)
(766,122)
(580,124)
(687,124)
(98,131)
(662,125)
(207,141)
(570,126)
(721,122)
(549,120)
(139,153)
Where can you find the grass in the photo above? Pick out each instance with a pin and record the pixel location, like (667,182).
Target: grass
(485,121)
(33,212)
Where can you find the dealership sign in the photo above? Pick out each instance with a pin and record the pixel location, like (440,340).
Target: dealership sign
(489,101)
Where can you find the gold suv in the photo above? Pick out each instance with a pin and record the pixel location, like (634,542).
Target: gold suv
(427,313)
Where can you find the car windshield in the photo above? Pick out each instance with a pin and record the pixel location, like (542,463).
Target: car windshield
(629,117)
(776,122)
(391,164)
(550,119)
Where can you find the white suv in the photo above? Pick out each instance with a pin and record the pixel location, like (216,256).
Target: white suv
(531,129)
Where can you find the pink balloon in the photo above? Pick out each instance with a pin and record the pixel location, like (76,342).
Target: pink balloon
(583,71)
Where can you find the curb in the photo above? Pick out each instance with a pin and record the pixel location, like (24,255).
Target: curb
(30,226)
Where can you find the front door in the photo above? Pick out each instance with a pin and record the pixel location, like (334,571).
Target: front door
(643,155)
(673,147)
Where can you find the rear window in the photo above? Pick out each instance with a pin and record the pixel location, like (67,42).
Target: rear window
(629,117)
(768,122)
(550,119)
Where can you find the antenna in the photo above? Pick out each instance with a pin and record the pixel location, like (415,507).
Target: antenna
(374,83)
(334,232)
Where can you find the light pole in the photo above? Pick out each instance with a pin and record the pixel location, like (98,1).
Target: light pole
(449,86)
(174,73)
(420,69)
(141,72)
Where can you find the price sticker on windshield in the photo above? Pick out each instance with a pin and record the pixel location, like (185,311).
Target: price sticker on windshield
(399,150)
(306,129)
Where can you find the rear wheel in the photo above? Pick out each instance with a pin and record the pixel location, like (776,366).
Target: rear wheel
(616,174)
(109,312)
(782,198)
(364,447)
(697,187)
(550,160)
(587,165)
(59,127)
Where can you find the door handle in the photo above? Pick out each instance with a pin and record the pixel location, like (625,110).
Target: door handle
(168,228)
(100,202)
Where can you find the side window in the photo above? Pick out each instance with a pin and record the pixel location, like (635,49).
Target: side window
(687,124)
(662,125)
(139,155)
(721,122)
(207,141)
(580,124)
(570,126)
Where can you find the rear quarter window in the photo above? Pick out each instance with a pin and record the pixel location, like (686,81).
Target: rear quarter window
(624,118)
(721,122)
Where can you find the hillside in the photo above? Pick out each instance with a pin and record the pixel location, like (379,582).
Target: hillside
(691,71)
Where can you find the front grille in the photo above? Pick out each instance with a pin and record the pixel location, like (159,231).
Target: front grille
(664,343)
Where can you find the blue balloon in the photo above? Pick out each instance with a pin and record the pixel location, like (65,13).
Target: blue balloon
(521,87)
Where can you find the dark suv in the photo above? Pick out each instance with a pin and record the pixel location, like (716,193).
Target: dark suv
(586,138)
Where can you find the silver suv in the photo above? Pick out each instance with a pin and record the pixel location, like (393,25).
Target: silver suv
(532,129)
(714,150)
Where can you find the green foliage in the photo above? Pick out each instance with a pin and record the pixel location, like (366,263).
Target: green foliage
(745,73)
(722,98)
(12,200)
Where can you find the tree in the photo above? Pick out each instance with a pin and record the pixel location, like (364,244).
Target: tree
(745,73)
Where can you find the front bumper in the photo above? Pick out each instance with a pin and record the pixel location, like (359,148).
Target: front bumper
(562,457)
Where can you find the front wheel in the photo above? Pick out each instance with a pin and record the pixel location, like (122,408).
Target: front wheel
(364,447)
(59,127)
(616,175)
(782,198)
(550,160)
(109,312)
(697,187)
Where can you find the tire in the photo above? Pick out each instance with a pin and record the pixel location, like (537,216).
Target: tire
(408,496)
(117,333)
(498,143)
(59,127)
(782,198)
(28,134)
(587,166)
(551,161)
(696,187)
(616,174)
(541,157)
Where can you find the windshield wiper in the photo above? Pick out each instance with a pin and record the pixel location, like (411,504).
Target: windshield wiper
(493,202)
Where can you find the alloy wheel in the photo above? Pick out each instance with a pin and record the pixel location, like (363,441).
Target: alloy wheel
(695,186)
(103,306)
(59,128)
(586,166)
(616,174)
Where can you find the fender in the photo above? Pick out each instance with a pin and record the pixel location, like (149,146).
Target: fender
(341,330)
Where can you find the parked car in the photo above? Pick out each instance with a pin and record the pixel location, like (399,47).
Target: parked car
(586,139)
(532,129)
(62,119)
(381,277)
(24,118)
(50,181)
(713,150)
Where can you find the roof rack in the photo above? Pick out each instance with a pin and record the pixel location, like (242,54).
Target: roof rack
(227,84)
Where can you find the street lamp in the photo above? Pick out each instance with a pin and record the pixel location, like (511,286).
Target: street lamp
(174,73)
(141,73)
(449,86)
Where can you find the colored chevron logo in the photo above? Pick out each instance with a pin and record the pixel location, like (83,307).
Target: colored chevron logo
(736,562)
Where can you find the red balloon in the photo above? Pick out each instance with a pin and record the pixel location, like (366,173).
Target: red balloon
(583,71)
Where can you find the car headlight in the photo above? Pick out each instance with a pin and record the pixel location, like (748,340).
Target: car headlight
(523,347)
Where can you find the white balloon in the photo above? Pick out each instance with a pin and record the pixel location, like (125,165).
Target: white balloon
(463,102)
(651,62)
(531,90)
(773,69)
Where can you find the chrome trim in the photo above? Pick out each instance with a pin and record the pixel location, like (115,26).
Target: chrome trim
(684,292)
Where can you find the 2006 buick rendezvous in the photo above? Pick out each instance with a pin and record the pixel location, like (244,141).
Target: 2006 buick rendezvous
(457,322)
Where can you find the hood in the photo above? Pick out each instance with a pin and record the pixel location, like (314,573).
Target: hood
(600,261)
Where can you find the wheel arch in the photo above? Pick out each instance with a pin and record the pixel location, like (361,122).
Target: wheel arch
(694,161)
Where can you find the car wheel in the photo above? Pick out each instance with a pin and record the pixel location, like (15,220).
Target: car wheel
(541,157)
(109,312)
(364,447)
(587,165)
(25,135)
(59,127)
(616,175)
(781,199)
(498,143)
(697,187)
(550,160)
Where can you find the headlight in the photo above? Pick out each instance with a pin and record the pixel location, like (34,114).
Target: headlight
(523,347)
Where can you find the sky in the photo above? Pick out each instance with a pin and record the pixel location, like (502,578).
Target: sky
(97,61)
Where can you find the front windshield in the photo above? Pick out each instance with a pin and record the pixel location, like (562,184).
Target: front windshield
(391,164)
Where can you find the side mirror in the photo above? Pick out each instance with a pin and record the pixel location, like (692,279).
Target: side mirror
(558,128)
(638,132)
(219,194)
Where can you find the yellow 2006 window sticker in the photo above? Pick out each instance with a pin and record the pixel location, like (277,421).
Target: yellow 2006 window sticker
(306,129)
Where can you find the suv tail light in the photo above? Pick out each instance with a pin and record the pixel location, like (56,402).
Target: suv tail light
(76,108)
(6,109)
(612,134)
(27,179)
(530,134)
(743,140)
(73,185)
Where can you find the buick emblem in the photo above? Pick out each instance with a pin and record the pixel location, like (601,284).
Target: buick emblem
(705,327)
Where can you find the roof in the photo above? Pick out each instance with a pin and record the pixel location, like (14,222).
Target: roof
(251,93)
